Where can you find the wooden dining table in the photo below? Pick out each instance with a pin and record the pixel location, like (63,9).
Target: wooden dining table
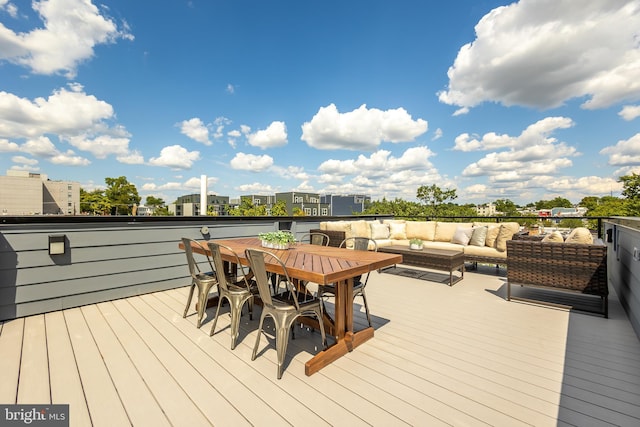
(322,265)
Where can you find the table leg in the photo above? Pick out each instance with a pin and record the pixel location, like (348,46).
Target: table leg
(346,338)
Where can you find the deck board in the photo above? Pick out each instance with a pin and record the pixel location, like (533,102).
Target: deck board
(441,355)
(66,386)
(10,354)
(139,403)
(34,364)
(103,400)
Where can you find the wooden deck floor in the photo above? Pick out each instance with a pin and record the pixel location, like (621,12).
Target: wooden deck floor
(441,355)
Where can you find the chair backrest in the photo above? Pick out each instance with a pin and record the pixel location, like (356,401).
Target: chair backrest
(360,243)
(316,238)
(257,262)
(218,264)
(194,268)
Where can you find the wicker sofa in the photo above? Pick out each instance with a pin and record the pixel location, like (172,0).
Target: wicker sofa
(488,248)
(573,267)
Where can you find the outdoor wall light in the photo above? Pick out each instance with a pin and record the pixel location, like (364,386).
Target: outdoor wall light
(57,244)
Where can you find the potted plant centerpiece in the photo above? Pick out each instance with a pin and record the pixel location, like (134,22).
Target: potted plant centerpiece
(277,239)
(415,244)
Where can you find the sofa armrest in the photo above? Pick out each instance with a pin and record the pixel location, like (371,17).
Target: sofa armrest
(570,266)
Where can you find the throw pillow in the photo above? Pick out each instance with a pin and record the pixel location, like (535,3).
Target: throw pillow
(462,236)
(424,230)
(580,235)
(446,230)
(492,235)
(397,230)
(554,236)
(359,228)
(379,231)
(479,236)
(504,233)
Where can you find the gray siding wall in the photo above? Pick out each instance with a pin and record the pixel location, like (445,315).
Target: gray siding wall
(623,236)
(106,260)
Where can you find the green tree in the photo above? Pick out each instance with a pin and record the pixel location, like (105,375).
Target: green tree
(247,208)
(558,202)
(298,211)
(154,202)
(631,191)
(507,207)
(162,211)
(589,202)
(631,186)
(279,208)
(94,202)
(122,194)
(434,196)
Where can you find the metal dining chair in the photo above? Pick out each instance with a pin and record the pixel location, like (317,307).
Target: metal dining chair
(204,281)
(237,292)
(284,308)
(315,238)
(359,285)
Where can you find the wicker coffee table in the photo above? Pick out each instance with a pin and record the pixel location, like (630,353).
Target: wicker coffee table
(438,259)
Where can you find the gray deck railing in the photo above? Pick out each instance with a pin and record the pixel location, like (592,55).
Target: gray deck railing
(112,257)
(107,257)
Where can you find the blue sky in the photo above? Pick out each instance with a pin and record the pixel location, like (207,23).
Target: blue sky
(526,101)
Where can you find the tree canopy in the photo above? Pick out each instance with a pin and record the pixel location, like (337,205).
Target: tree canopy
(122,194)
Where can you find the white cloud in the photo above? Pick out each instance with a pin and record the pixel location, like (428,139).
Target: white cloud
(69,159)
(437,134)
(257,188)
(360,129)
(175,157)
(380,163)
(537,134)
(231,89)
(630,112)
(275,135)
(7,146)
(541,53)
(196,130)
(73,116)
(625,152)
(11,8)
(66,112)
(131,158)
(72,28)
(102,145)
(195,182)
(24,160)
(532,152)
(251,162)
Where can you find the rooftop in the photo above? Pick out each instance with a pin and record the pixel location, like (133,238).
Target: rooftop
(441,355)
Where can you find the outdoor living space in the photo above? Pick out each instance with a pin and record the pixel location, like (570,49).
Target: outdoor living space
(441,355)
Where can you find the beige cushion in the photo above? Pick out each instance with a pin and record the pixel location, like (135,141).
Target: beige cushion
(580,235)
(398,230)
(336,226)
(554,236)
(479,235)
(492,235)
(505,233)
(424,230)
(462,236)
(379,231)
(359,229)
(484,251)
(446,230)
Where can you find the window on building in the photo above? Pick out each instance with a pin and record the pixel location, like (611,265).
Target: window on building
(307,211)
(325,212)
